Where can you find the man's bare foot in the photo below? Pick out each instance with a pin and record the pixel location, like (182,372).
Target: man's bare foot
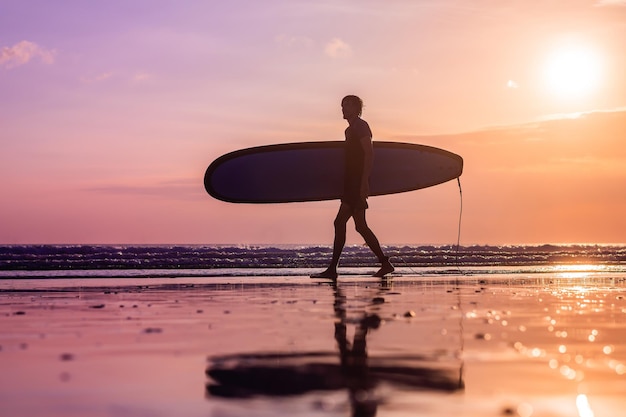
(328,274)
(385,268)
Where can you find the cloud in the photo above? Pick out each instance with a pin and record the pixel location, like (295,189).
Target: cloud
(337,48)
(97,78)
(294,41)
(610,3)
(142,76)
(23,52)
(137,77)
(177,189)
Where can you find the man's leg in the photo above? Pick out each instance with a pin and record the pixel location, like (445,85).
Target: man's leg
(372,241)
(344,214)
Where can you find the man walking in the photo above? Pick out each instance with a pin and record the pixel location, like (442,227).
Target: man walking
(359,155)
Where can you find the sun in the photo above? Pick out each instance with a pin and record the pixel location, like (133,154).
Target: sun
(573,71)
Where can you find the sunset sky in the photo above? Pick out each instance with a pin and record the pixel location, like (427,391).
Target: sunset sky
(111,111)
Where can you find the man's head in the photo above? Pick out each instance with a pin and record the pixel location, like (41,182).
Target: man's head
(351,106)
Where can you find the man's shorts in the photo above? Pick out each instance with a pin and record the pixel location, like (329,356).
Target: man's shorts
(355,202)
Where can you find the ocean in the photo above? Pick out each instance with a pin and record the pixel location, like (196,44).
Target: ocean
(135,261)
(232,330)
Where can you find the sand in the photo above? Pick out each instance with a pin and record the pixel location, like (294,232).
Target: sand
(455,345)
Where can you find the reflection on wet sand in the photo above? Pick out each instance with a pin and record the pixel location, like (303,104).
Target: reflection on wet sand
(565,329)
(283,374)
(491,345)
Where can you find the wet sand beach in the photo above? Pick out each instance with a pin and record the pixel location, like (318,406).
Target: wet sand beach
(545,344)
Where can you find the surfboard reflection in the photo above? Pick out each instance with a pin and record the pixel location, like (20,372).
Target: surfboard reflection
(290,374)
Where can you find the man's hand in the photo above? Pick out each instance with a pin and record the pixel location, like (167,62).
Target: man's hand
(365,189)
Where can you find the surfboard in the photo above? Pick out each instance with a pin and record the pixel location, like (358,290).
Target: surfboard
(313,171)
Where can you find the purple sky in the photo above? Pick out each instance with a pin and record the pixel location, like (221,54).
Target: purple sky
(111,111)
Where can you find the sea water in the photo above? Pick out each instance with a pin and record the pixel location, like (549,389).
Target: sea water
(133,261)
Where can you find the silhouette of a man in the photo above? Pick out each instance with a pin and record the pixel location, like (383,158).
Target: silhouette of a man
(359,155)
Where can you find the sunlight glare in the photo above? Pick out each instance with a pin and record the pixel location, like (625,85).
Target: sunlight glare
(573,71)
(577,270)
(584,409)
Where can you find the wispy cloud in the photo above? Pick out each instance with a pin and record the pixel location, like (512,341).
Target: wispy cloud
(609,3)
(97,78)
(137,77)
(512,84)
(23,52)
(177,189)
(337,48)
(294,41)
(142,76)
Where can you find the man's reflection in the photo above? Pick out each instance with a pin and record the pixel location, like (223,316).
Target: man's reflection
(288,374)
(353,357)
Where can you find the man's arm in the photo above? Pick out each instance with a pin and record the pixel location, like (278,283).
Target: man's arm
(368,158)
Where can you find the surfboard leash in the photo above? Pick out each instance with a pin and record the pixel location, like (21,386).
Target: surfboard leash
(458,236)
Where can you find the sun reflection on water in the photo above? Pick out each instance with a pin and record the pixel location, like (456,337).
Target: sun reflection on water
(584,409)
(573,271)
(581,307)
